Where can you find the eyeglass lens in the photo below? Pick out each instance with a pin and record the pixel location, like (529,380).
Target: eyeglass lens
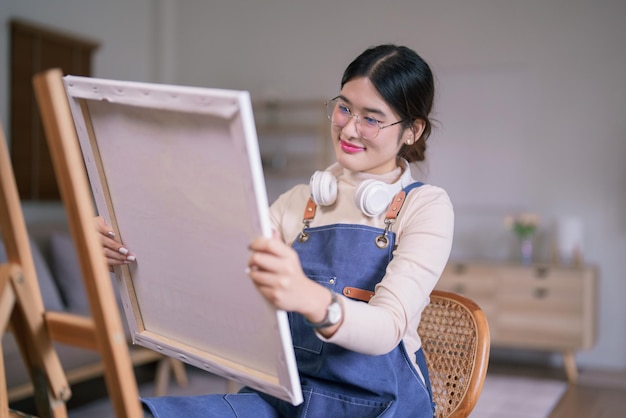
(339,114)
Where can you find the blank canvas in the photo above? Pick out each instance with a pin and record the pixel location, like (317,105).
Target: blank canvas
(176,171)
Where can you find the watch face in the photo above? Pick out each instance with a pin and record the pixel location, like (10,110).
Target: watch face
(334,313)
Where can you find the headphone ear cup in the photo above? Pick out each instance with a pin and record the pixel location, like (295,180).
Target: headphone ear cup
(372,197)
(323,186)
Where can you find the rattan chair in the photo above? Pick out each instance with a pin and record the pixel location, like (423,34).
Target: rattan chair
(455,340)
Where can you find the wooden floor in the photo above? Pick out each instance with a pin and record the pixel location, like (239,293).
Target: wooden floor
(591,402)
(597,394)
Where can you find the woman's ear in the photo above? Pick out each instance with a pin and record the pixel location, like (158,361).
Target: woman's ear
(418,128)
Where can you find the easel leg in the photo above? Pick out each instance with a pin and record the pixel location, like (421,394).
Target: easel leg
(162,377)
(232,386)
(4,403)
(72,178)
(179,372)
(47,405)
(7,303)
(44,400)
(25,310)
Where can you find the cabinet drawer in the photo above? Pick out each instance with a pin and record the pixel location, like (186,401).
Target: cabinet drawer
(538,330)
(548,295)
(542,273)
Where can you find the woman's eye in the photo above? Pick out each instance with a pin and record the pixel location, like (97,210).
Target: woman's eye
(343,109)
(370,121)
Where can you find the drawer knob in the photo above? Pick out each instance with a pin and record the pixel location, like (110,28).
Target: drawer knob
(541,272)
(541,292)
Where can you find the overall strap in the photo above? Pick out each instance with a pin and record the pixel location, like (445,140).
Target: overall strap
(392,213)
(309,214)
(413,186)
(390,217)
(382,241)
(398,201)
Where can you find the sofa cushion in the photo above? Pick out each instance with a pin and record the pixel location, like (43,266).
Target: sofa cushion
(16,373)
(49,291)
(65,267)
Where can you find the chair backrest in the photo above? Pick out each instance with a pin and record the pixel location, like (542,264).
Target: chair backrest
(455,341)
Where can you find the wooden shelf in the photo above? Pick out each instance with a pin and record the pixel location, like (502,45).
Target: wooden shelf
(293,137)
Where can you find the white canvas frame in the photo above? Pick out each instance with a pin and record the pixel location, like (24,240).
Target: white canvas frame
(176,172)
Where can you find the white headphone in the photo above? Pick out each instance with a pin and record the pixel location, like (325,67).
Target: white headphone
(372,196)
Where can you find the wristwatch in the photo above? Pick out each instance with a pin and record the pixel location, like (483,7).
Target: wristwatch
(333,314)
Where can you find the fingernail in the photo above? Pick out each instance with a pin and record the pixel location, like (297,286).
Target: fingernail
(131,258)
(111,234)
(122,250)
(247,270)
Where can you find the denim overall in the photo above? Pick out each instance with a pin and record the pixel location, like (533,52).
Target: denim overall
(336,382)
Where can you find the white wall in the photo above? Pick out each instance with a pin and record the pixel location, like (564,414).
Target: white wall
(125,29)
(532,97)
(533,116)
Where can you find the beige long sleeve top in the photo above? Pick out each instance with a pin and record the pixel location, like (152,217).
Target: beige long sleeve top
(424,231)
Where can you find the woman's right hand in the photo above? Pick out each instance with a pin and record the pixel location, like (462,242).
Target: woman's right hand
(116,254)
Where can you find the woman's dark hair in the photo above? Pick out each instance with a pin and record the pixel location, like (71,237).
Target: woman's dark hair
(405,82)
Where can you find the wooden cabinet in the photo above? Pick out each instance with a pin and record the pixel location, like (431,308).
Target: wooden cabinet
(540,307)
(35,48)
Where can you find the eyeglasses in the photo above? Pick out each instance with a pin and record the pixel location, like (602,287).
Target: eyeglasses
(339,114)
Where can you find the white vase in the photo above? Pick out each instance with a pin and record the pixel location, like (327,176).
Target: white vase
(527,250)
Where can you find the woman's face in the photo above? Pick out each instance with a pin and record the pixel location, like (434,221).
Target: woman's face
(377,155)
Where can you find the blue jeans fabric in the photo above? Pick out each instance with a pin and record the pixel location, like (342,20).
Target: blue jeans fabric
(317,403)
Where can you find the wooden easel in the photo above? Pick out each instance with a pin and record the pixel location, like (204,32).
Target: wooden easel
(21,305)
(103,331)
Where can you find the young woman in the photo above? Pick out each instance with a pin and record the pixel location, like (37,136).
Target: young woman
(356,274)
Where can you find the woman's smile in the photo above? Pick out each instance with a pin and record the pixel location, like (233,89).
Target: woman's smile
(350,148)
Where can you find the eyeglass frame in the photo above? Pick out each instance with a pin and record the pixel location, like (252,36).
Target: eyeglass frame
(358,118)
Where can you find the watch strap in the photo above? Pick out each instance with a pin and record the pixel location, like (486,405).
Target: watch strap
(326,321)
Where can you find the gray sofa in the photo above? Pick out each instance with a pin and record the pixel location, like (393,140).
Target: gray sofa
(62,289)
